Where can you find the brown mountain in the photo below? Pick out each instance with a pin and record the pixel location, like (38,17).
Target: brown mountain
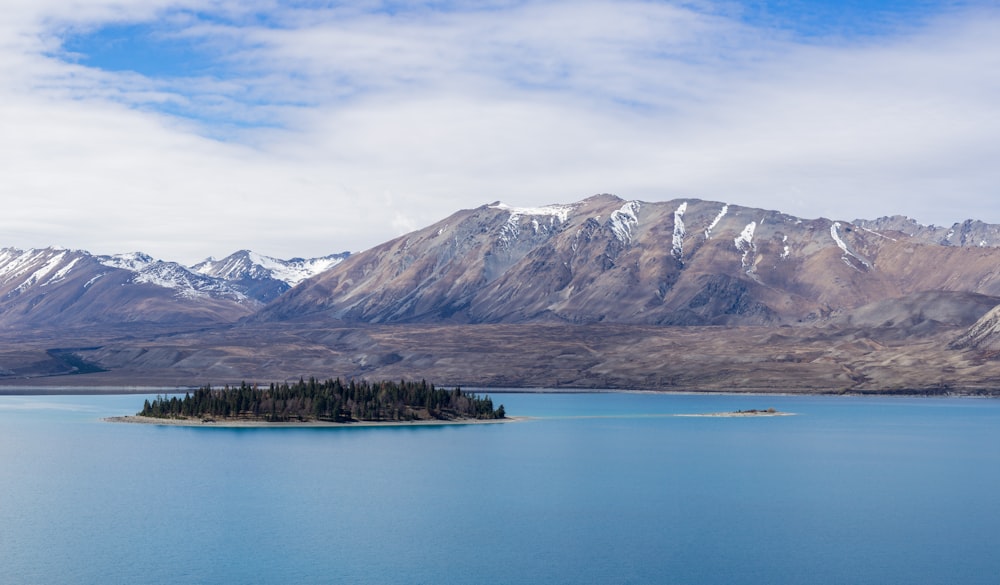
(603,293)
(681,262)
(53,287)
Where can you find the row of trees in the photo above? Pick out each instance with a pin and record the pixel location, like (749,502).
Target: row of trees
(330,400)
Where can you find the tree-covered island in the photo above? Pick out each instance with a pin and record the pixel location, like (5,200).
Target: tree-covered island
(333,401)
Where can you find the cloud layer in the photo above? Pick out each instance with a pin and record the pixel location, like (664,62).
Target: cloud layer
(314,130)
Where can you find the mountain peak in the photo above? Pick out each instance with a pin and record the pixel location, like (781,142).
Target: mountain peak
(602,198)
(264,277)
(680,262)
(135,261)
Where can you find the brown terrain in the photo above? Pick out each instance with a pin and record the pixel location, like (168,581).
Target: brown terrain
(684,295)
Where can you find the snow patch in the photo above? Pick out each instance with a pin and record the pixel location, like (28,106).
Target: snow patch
(11,261)
(715,222)
(61,275)
(296,270)
(134,261)
(848,254)
(560,212)
(678,241)
(42,272)
(511,230)
(744,244)
(93,280)
(785,249)
(874,233)
(621,221)
(15,263)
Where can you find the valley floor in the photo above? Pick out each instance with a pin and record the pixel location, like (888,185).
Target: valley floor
(806,359)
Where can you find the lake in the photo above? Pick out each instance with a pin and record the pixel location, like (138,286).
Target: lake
(595,488)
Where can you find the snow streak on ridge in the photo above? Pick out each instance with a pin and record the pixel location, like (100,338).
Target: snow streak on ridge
(843,246)
(744,243)
(61,275)
(715,222)
(42,272)
(14,262)
(678,241)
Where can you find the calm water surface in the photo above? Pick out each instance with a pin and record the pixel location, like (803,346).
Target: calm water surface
(597,488)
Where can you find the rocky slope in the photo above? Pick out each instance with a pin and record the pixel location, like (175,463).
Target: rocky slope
(682,262)
(983,336)
(967,233)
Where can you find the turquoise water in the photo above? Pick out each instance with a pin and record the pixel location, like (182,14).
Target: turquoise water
(598,488)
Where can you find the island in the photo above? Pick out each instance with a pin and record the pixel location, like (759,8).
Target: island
(320,403)
(740,413)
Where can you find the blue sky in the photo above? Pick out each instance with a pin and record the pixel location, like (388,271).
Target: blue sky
(188,128)
(159,48)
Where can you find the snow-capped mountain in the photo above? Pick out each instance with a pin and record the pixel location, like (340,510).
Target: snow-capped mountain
(55,286)
(573,294)
(250,265)
(681,262)
(58,287)
(967,233)
(263,277)
(173,276)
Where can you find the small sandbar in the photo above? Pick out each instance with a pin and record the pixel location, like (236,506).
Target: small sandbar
(190,422)
(737,414)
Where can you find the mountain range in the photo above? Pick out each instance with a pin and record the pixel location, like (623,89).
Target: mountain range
(604,292)
(684,262)
(55,287)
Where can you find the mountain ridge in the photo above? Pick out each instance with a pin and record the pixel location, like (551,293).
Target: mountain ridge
(679,262)
(264,277)
(59,287)
(601,293)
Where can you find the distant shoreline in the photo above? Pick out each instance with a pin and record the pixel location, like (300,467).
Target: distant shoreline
(13,390)
(223,423)
(92,390)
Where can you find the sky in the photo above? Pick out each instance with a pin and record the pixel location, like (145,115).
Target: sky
(195,128)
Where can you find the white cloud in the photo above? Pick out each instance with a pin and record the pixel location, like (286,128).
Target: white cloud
(382,122)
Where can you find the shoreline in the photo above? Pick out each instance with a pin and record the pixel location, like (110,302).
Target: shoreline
(13,390)
(258,424)
(107,390)
(177,422)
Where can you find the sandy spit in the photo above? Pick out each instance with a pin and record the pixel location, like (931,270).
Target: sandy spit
(737,414)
